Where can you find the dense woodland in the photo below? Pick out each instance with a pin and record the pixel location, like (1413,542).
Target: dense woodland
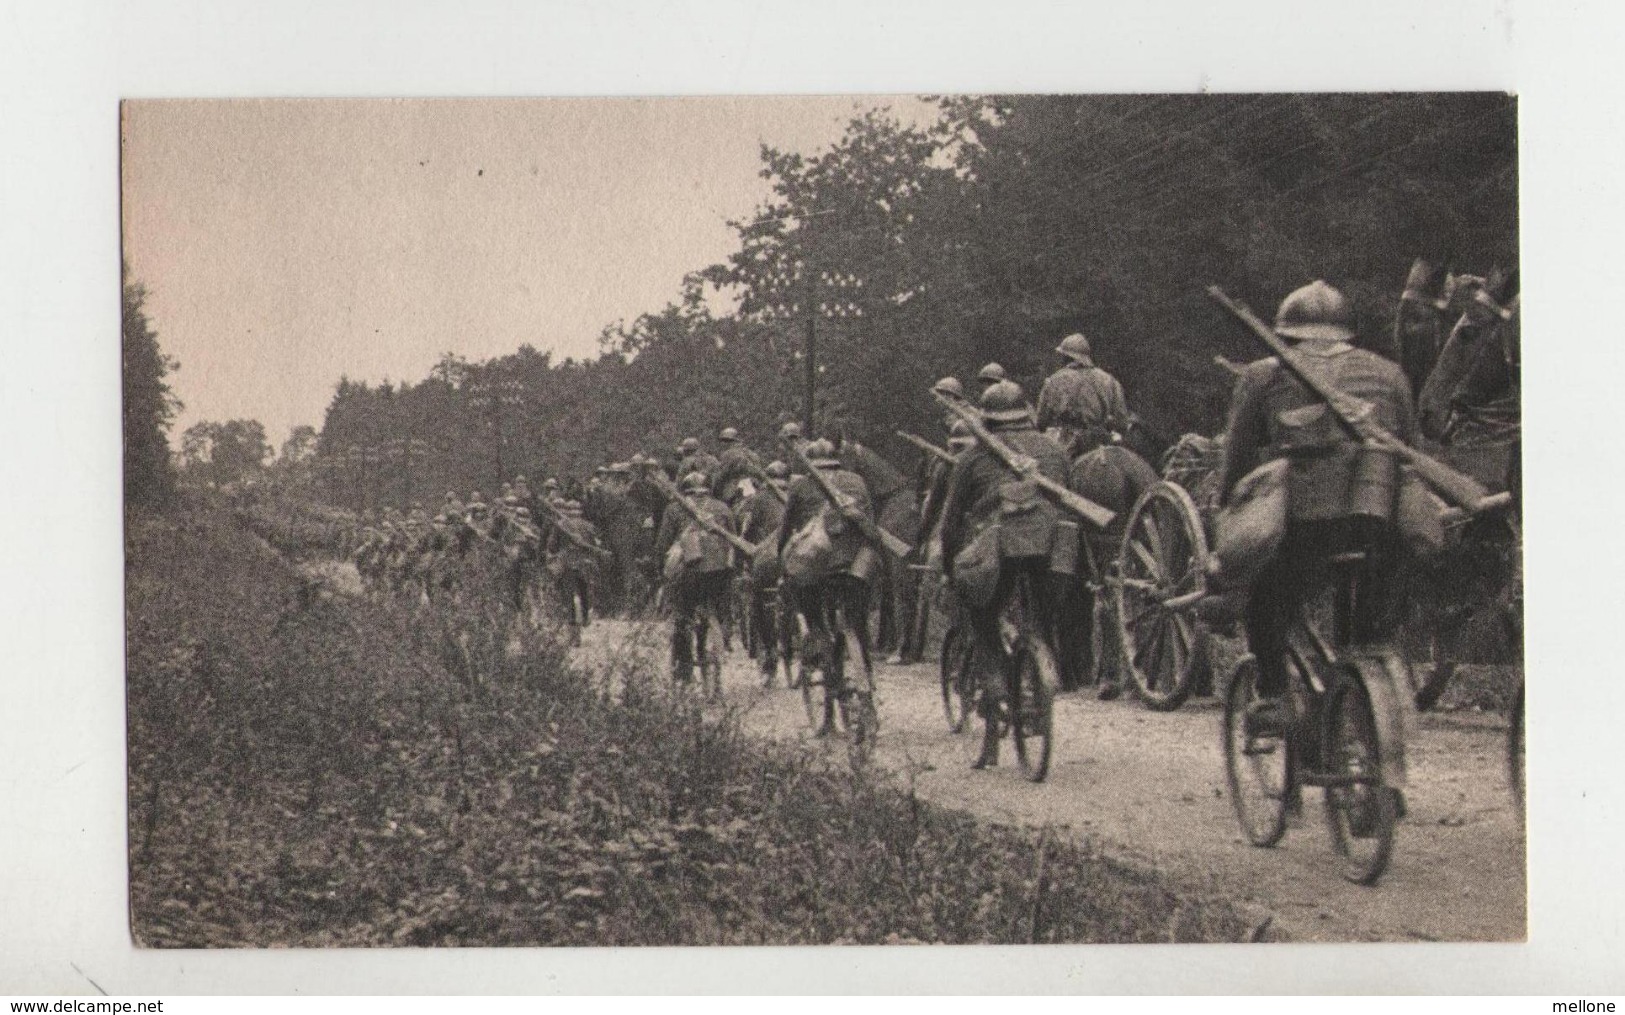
(987,236)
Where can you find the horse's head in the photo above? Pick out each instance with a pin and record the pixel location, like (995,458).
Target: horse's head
(1479,361)
(1423,319)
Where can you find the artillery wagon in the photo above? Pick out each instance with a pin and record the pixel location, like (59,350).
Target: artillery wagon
(1161,576)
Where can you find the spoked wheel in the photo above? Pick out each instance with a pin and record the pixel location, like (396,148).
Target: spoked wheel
(1515,748)
(811,681)
(1161,577)
(857,700)
(1258,765)
(958,678)
(1032,708)
(1361,810)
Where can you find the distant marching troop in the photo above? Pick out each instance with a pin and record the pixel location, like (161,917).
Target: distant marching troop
(1062,558)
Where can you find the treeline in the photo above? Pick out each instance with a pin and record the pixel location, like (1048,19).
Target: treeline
(149,404)
(986,236)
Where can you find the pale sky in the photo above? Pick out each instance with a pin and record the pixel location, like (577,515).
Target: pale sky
(286,243)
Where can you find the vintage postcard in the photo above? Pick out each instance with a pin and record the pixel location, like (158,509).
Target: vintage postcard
(979,519)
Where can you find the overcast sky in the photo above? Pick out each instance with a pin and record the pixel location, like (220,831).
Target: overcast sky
(286,243)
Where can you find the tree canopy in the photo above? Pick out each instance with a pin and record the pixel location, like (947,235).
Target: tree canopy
(1008,223)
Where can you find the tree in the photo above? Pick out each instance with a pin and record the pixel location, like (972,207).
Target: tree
(222,453)
(149,404)
(300,445)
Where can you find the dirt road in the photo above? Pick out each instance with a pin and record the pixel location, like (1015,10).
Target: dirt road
(1148,789)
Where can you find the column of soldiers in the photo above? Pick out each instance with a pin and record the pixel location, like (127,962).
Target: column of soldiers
(812,553)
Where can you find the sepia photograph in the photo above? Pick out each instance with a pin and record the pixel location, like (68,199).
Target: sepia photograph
(899,519)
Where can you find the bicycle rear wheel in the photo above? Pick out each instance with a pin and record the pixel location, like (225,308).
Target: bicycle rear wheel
(958,686)
(1258,765)
(812,696)
(857,699)
(1361,810)
(1032,707)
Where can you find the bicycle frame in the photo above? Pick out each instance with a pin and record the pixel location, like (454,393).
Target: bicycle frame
(1383,672)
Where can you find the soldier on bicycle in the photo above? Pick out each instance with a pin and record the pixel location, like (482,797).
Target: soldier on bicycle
(697,573)
(759,517)
(996,528)
(1329,511)
(828,563)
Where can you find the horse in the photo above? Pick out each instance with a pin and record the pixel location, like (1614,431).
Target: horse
(1113,476)
(1469,407)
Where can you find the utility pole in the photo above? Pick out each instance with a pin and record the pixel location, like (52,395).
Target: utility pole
(491,396)
(815,294)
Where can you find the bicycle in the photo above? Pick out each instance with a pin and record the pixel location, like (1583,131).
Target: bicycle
(1027,709)
(847,697)
(958,675)
(1345,735)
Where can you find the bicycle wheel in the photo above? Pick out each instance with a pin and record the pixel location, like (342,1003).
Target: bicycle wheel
(1515,748)
(711,672)
(812,695)
(1032,707)
(1258,767)
(857,699)
(958,679)
(1361,810)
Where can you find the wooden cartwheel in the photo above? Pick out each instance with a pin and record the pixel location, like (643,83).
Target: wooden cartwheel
(1160,577)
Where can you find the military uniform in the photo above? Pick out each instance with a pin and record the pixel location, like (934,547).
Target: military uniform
(1273,416)
(843,585)
(699,590)
(759,518)
(1081,404)
(897,510)
(977,499)
(736,463)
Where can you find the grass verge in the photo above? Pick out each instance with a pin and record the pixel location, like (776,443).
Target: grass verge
(311,769)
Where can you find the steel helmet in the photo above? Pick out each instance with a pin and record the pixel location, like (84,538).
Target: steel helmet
(822,453)
(1075,347)
(990,374)
(790,431)
(550,484)
(689,445)
(777,470)
(695,482)
(1316,313)
(1005,402)
(959,435)
(949,386)
(728,434)
(519,478)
